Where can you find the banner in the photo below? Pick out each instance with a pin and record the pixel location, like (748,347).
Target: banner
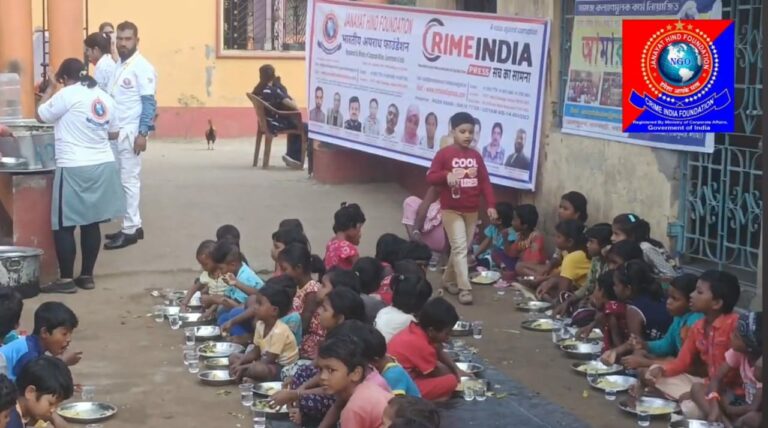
(593,95)
(386,80)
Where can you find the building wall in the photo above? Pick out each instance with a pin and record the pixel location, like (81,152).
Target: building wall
(179,39)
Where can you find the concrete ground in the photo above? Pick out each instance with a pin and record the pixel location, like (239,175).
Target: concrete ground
(187,193)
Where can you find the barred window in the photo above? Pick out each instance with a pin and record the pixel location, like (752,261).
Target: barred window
(263,25)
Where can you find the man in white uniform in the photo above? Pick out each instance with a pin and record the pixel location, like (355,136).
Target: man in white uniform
(133,88)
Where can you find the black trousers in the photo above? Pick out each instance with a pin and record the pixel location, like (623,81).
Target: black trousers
(66,249)
(294,146)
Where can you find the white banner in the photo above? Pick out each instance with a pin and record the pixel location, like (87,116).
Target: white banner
(386,79)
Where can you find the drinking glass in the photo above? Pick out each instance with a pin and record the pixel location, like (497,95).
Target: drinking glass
(246,394)
(174,321)
(477,329)
(259,418)
(517,296)
(643,418)
(185,350)
(469,391)
(87,393)
(465,356)
(480,389)
(557,333)
(159,313)
(610,394)
(191,356)
(189,335)
(194,366)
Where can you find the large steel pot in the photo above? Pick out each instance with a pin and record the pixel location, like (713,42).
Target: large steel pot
(32,141)
(20,269)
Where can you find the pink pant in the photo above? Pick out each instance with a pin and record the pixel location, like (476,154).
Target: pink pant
(435,237)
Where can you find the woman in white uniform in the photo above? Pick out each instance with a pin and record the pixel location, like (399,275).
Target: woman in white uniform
(86,187)
(97,49)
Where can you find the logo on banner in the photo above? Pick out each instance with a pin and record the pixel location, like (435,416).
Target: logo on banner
(330,43)
(678,76)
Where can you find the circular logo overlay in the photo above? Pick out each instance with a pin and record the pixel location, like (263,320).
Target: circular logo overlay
(679,60)
(330,28)
(98,109)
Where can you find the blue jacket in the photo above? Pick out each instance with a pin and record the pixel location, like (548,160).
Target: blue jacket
(670,344)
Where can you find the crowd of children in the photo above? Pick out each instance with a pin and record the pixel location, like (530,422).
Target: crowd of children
(359,340)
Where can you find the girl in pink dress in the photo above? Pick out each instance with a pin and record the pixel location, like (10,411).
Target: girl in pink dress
(348,223)
(297,262)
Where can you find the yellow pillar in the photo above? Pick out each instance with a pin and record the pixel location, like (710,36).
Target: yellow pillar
(16,48)
(65,27)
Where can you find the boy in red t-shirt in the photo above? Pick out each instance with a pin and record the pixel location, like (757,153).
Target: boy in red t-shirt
(462,178)
(419,349)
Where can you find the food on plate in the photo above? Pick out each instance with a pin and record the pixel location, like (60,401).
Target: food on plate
(655,410)
(543,324)
(592,368)
(608,384)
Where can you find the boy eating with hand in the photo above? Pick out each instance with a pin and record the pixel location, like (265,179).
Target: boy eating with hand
(54,324)
(42,385)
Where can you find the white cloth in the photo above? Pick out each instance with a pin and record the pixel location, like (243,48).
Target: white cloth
(132,79)
(103,72)
(130,169)
(390,321)
(81,117)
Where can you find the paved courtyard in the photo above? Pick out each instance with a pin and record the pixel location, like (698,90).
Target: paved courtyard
(187,193)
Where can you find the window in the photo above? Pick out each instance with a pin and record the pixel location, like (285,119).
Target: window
(263,25)
(487,6)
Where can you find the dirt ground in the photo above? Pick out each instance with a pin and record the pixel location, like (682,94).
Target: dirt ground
(187,193)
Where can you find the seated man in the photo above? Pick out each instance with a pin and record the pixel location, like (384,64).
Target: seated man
(272,92)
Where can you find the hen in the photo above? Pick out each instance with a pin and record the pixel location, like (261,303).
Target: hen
(210,135)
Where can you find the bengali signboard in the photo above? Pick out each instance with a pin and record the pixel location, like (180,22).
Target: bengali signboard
(593,95)
(386,80)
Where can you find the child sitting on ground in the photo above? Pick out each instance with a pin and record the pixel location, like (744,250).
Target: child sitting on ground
(411,408)
(397,378)
(598,238)
(43,383)
(340,305)
(647,316)
(632,227)
(243,319)
(573,206)
(419,349)
(282,238)
(232,234)
(241,281)
(678,306)
(298,263)
(369,270)
(716,295)
(573,271)
(389,248)
(613,313)
(11,306)
(8,397)
(528,249)
(210,281)
(343,374)
(54,324)
(746,350)
(274,344)
(497,236)
(348,224)
(411,292)
(418,253)
(462,177)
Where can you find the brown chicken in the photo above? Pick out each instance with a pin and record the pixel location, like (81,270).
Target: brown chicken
(210,135)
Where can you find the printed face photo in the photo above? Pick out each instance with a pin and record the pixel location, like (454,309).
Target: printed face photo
(392,116)
(319,98)
(354,110)
(336,101)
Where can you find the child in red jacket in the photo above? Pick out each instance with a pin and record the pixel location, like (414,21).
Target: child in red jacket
(460,174)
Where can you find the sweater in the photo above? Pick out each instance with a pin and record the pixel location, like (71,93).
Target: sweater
(670,344)
(473,184)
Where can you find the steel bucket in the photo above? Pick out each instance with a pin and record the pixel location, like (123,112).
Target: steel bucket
(20,269)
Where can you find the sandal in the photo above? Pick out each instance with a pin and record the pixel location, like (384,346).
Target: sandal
(451,288)
(465,297)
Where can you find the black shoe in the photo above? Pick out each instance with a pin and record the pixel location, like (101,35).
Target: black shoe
(85,282)
(113,236)
(63,286)
(122,241)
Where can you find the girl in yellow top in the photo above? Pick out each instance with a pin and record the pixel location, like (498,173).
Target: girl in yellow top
(570,239)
